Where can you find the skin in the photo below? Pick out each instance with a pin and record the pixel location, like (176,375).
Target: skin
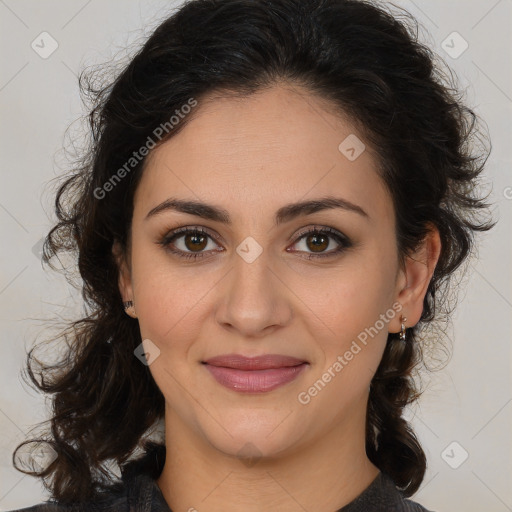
(252,156)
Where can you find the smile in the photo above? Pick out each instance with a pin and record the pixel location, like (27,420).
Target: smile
(254,374)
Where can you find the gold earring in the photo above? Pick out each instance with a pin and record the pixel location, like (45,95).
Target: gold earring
(129,308)
(403,319)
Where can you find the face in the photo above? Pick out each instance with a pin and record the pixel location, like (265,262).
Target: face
(319,284)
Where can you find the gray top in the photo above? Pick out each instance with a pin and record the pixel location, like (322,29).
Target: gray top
(142,494)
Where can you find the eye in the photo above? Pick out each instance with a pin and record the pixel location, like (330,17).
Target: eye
(319,239)
(194,240)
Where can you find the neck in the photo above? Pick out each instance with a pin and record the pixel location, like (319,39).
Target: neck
(325,475)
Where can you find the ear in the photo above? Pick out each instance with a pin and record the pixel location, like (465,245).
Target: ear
(414,278)
(124,273)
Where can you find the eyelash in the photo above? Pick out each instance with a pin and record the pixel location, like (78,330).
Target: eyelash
(166,241)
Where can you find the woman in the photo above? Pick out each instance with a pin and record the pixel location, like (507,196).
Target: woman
(273,201)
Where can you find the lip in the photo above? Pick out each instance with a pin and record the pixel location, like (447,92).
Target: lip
(263,362)
(258,374)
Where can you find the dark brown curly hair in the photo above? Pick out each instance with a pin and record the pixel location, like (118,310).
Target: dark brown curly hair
(365,61)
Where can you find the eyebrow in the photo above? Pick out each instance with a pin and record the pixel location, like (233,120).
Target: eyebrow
(284,214)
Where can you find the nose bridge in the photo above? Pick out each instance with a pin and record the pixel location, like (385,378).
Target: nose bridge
(252,298)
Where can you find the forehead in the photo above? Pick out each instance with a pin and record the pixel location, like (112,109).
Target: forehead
(259,152)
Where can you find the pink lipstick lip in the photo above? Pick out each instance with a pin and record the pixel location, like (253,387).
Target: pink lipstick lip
(254,374)
(263,362)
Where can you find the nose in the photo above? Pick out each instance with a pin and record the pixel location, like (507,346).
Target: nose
(253,299)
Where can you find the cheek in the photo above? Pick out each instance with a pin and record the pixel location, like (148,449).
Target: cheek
(357,309)
(352,298)
(349,354)
(168,297)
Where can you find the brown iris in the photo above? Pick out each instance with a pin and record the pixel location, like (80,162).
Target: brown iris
(198,241)
(317,245)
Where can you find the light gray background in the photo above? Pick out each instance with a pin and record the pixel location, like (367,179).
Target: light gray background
(469,401)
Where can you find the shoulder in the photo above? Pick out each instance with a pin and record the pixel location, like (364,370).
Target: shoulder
(117,499)
(103,506)
(383,496)
(108,504)
(41,507)
(412,506)
(136,492)
(402,504)
(408,505)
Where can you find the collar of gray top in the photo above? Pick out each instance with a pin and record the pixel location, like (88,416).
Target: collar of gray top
(381,495)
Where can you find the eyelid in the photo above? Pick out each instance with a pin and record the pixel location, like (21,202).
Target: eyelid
(174,232)
(327,229)
(186,229)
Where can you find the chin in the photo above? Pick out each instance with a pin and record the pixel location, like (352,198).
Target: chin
(251,448)
(253,434)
